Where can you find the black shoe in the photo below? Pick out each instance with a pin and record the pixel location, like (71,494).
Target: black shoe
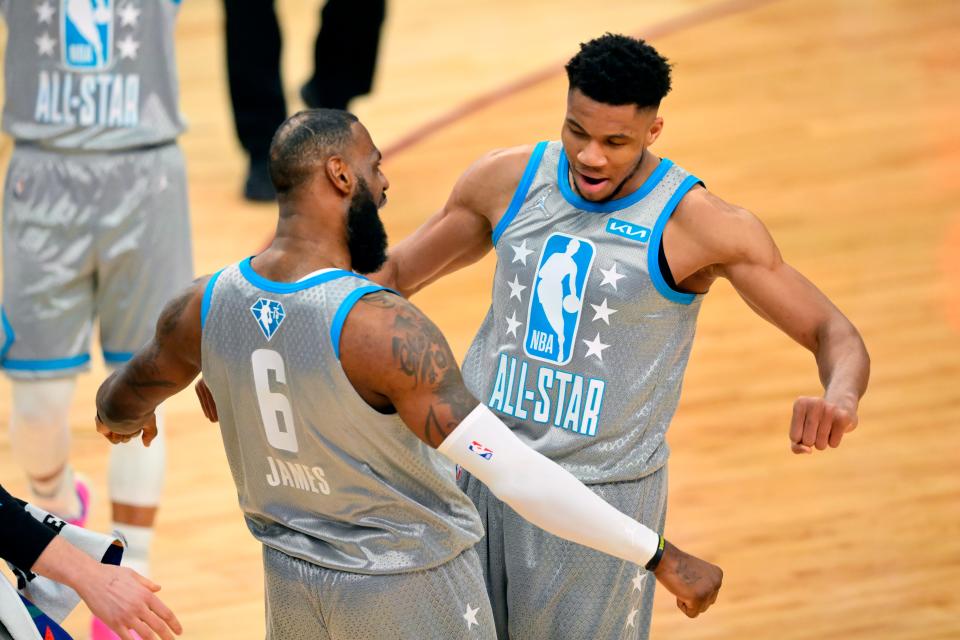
(311,97)
(259,186)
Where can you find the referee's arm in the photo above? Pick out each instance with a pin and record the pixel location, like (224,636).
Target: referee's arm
(22,537)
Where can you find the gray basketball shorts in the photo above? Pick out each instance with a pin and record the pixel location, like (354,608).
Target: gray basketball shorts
(89,235)
(543,587)
(304,600)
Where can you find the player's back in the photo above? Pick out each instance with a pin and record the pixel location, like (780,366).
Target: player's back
(320,475)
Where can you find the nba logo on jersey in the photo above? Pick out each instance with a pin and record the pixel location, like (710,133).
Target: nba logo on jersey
(86,33)
(557,299)
(268,314)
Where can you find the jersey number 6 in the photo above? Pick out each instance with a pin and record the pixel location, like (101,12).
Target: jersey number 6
(273,406)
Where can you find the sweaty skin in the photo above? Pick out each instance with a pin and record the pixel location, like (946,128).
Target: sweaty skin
(705,239)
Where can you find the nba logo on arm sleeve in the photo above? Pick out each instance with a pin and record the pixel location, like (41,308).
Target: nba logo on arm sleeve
(557,298)
(480,450)
(86,34)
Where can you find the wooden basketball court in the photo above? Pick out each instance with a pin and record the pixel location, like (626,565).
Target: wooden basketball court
(835,121)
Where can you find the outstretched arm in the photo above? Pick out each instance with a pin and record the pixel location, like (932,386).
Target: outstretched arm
(460,233)
(419,377)
(169,362)
(744,252)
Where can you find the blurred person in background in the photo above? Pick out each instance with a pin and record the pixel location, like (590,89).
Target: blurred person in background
(345,57)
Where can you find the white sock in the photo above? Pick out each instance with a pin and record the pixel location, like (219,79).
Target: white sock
(136,553)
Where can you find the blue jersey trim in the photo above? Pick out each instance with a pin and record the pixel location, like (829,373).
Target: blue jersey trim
(571,196)
(9,334)
(341,315)
(653,249)
(47,365)
(291,287)
(117,357)
(207,296)
(521,193)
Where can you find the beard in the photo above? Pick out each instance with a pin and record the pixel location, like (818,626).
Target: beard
(366,237)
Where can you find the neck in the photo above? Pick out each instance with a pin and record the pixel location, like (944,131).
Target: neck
(301,245)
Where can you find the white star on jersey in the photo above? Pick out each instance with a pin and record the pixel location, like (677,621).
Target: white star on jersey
(45,45)
(638,580)
(611,276)
(520,253)
(603,312)
(512,324)
(595,347)
(129,15)
(632,618)
(45,12)
(128,47)
(516,288)
(471,616)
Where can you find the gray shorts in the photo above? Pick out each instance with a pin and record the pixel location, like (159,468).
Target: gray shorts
(89,235)
(543,587)
(304,600)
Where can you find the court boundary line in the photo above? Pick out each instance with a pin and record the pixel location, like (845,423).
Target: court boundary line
(668,27)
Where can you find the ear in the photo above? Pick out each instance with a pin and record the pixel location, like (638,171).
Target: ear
(340,175)
(656,128)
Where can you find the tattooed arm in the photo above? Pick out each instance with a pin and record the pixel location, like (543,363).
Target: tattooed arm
(168,363)
(396,358)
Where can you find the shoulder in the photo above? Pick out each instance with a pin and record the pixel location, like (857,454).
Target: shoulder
(493,177)
(725,232)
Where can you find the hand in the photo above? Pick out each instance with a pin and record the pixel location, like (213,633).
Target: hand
(207,402)
(148,429)
(125,601)
(693,581)
(818,422)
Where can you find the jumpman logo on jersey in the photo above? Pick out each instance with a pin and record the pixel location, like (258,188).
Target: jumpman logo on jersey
(268,314)
(557,299)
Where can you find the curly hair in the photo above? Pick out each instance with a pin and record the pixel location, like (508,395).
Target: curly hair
(617,69)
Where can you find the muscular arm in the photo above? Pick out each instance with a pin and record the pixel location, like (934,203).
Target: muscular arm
(460,233)
(169,362)
(395,357)
(732,243)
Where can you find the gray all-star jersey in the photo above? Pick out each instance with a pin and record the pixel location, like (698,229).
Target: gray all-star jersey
(320,475)
(91,75)
(583,350)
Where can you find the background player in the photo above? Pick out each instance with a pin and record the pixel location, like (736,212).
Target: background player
(365,533)
(95,224)
(653,240)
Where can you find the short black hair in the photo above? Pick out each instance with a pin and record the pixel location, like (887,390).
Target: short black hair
(617,69)
(304,140)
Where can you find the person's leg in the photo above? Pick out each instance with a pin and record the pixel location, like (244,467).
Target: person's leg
(490,549)
(558,589)
(292,604)
(46,321)
(345,53)
(254,44)
(145,259)
(448,602)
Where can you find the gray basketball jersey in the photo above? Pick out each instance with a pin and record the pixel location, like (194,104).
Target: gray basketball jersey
(584,347)
(320,475)
(91,74)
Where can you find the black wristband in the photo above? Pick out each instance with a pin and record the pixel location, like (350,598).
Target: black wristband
(655,560)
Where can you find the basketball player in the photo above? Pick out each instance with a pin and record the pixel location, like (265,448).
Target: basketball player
(95,223)
(330,406)
(596,392)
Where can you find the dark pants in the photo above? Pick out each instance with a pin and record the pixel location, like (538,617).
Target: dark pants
(344,59)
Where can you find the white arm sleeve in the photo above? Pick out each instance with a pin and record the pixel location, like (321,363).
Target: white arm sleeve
(543,492)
